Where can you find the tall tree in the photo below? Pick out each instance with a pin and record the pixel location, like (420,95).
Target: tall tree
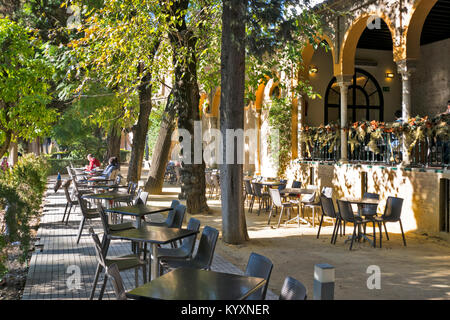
(119,49)
(161,152)
(186,98)
(232,118)
(24,87)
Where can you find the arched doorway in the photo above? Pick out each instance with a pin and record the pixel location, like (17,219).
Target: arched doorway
(365,99)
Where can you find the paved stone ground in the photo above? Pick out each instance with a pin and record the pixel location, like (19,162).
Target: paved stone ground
(52,271)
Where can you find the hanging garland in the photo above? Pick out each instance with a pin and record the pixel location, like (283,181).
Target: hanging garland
(415,130)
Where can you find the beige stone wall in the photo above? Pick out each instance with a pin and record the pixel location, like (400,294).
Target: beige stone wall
(420,190)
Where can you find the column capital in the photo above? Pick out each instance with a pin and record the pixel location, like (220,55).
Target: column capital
(406,67)
(344,80)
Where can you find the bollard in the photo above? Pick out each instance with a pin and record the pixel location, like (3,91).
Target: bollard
(323,282)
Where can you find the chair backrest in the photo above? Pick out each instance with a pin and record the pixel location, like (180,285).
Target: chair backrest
(261,267)
(132,186)
(83,205)
(283,184)
(104,219)
(327,206)
(346,211)
(171,214)
(328,192)
(113,272)
(393,209)
(66,186)
(368,195)
(293,290)
(98,248)
(248,187)
(258,189)
(276,198)
(206,247)
(370,209)
(141,198)
(188,243)
(296,184)
(180,211)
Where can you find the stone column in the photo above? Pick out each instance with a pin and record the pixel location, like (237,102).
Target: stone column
(406,68)
(344,81)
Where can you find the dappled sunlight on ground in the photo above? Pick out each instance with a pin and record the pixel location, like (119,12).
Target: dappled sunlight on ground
(418,271)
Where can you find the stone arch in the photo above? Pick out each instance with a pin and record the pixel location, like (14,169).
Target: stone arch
(417,16)
(308,51)
(351,38)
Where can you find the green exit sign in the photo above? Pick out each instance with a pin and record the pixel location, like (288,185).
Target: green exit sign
(386,89)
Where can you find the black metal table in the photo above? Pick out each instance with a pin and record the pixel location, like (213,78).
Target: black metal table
(195,284)
(360,203)
(138,211)
(155,236)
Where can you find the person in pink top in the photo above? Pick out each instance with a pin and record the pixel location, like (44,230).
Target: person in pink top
(93,162)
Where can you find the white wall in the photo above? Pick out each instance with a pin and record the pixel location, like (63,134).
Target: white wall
(431,81)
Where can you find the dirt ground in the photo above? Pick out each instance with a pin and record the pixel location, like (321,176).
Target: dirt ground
(419,271)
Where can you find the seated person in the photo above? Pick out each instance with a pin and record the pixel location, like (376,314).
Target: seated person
(113,164)
(93,163)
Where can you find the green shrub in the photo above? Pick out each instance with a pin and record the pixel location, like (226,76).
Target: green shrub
(21,191)
(60,165)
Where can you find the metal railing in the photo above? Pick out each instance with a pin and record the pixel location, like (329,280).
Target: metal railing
(430,152)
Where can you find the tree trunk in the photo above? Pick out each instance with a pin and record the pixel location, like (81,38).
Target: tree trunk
(234,229)
(140,129)
(186,100)
(161,151)
(113,143)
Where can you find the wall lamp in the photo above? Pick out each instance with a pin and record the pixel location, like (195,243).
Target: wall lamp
(390,75)
(313,69)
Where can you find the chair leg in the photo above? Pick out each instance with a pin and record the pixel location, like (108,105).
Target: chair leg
(374,235)
(94,285)
(80,229)
(380,227)
(102,291)
(320,226)
(353,237)
(68,213)
(403,234)
(385,230)
(270,214)
(281,215)
(67,205)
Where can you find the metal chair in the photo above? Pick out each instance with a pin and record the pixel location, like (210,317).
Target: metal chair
(70,202)
(204,255)
(249,192)
(261,267)
(87,215)
(170,216)
(113,272)
(123,263)
(328,210)
(185,251)
(392,213)
(346,214)
(293,290)
(262,196)
(277,203)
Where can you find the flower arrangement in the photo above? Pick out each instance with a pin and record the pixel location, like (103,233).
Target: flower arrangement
(412,131)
